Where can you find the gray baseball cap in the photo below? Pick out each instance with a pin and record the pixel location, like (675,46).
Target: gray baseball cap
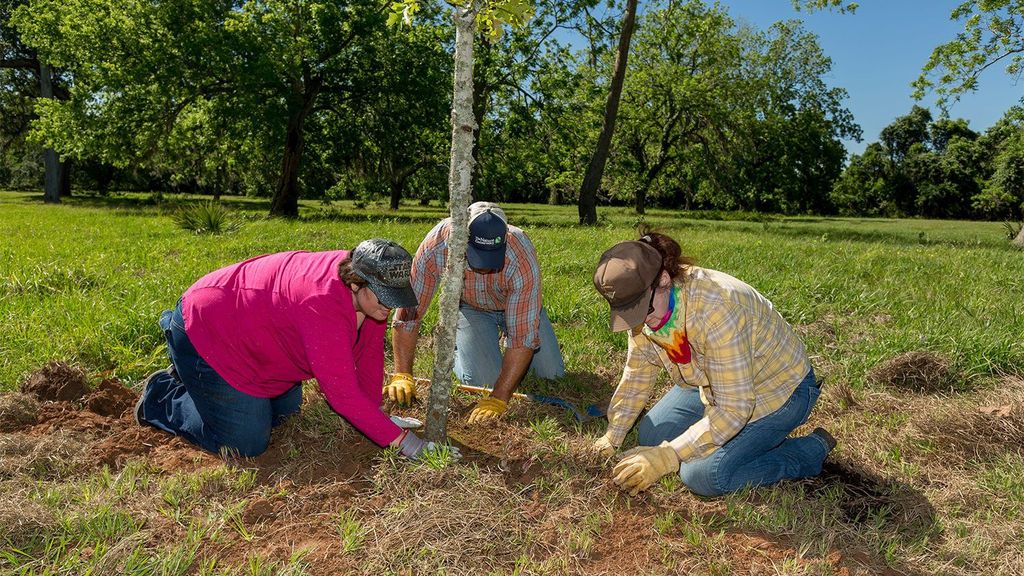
(386,267)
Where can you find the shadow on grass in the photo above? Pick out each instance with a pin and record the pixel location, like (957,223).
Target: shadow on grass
(874,503)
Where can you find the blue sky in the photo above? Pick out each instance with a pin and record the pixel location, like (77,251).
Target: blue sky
(879,50)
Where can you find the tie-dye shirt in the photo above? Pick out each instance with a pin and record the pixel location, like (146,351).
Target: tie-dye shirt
(743,356)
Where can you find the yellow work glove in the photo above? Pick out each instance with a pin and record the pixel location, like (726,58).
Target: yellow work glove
(645,467)
(603,447)
(401,388)
(487,409)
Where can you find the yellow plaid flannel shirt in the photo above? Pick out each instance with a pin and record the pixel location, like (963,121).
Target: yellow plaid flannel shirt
(746,360)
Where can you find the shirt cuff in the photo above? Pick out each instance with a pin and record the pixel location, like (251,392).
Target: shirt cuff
(684,448)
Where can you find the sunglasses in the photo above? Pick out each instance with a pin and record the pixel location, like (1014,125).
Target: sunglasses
(654,288)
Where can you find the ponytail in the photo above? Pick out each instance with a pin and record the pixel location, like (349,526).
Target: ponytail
(672,259)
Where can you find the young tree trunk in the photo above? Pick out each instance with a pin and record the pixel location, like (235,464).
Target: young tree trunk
(595,170)
(53,167)
(460,177)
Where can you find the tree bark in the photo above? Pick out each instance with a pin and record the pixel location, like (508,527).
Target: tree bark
(1019,240)
(460,178)
(640,199)
(397,186)
(54,180)
(286,197)
(595,170)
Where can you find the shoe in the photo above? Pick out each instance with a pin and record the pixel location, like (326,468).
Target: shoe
(139,412)
(828,439)
(140,418)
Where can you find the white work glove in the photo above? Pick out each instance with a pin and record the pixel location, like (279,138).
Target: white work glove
(413,447)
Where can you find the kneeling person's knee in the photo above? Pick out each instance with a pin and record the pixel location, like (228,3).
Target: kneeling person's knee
(700,477)
(248,445)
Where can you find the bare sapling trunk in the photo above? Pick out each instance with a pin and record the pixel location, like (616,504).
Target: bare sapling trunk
(460,181)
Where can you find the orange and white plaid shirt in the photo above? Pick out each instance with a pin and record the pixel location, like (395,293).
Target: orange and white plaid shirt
(514,290)
(745,359)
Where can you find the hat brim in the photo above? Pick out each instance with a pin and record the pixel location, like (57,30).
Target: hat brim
(485,259)
(631,315)
(395,297)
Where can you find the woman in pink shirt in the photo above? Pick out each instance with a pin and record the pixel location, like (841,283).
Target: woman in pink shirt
(243,338)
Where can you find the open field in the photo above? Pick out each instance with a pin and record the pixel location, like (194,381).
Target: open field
(915,325)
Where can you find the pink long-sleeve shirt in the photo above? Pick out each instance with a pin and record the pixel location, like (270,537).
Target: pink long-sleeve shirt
(269,322)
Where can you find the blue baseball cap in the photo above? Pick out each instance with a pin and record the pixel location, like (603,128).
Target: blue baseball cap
(488,230)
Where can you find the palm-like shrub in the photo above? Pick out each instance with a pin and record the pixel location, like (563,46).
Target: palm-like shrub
(206,218)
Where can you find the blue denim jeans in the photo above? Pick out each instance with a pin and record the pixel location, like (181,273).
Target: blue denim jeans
(762,453)
(200,406)
(478,352)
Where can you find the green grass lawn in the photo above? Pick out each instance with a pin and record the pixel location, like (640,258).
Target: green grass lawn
(85,281)
(922,482)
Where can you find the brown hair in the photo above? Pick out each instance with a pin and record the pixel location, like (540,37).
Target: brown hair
(347,275)
(672,259)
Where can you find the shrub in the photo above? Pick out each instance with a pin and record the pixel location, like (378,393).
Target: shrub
(206,218)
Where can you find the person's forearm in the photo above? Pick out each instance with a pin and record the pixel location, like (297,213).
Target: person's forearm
(403,344)
(513,367)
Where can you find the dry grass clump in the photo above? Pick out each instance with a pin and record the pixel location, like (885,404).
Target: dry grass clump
(466,519)
(17,410)
(20,516)
(917,371)
(453,520)
(54,456)
(56,381)
(977,435)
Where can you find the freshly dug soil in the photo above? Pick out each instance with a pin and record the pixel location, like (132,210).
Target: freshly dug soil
(57,381)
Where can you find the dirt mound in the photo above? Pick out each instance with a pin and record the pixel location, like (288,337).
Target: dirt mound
(111,398)
(57,381)
(17,410)
(917,371)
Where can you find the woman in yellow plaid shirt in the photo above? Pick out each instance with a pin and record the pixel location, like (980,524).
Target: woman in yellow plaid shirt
(743,379)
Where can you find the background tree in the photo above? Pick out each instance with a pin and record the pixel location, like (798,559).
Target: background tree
(679,93)
(150,73)
(992,35)
(595,168)
(791,150)
(25,76)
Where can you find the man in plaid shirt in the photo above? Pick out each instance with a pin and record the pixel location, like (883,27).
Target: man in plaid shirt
(501,294)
